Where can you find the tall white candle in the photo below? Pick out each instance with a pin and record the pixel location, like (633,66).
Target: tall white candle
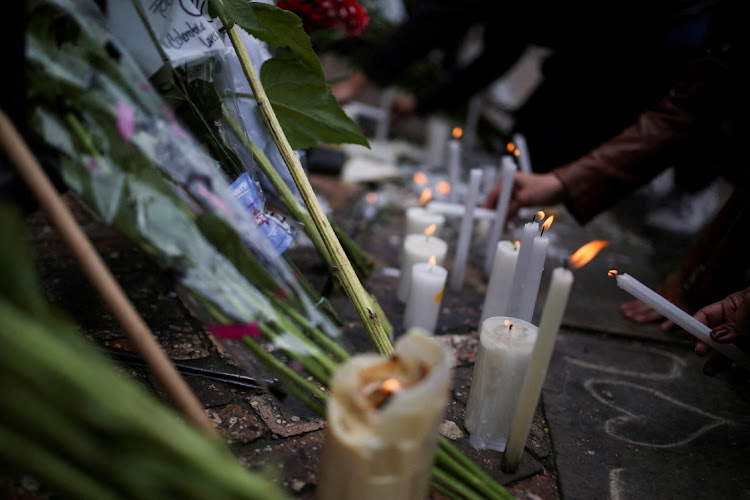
(383,123)
(418,248)
(530,289)
(530,230)
(501,279)
(549,325)
(382,420)
(454,168)
(679,317)
(507,174)
(502,358)
(425,296)
(524,160)
(419,218)
(467,227)
(438,133)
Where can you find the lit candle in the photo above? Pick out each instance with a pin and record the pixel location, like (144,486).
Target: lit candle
(524,160)
(464,233)
(505,346)
(501,278)
(454,164)
(530,288)
(530,230)
(679,317)
(458,210)
(507,175)
(549,325)
(419,218)
(418,248)
(425,295)
(383,418)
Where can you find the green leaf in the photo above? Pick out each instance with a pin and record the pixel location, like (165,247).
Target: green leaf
(294,80)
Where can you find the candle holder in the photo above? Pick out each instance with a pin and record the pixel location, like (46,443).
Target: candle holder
(505,347)
(383,419)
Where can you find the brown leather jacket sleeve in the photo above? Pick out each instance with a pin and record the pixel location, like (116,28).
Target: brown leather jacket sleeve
(615,169)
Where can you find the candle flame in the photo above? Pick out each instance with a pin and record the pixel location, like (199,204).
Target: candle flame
(540,215)
(371,197)
(443,187)
(430,230)
(425,196)
(457,132)
(548,222)
(390,385)
(508,324)
(420,178)
(510,147)
(612,272)
(516,153)
(517,243)
(432,260)
(583,255)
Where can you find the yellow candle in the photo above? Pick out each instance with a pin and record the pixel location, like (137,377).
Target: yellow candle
(383,418)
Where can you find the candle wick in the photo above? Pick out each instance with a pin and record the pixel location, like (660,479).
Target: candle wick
(566,264)
(533,217)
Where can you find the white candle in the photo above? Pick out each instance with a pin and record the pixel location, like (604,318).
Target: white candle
(501,279)
(382,419)
(418,248)
(458,210)
(530,230)
(438,132)
(530,288)
(549,325)
(502,358)
(467,227)
(524,160)
(679,317)
(383,124)
(425,296)
(454,168)
(419,218)
(507,175)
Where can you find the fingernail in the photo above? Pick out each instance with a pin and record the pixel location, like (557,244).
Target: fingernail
(719,332)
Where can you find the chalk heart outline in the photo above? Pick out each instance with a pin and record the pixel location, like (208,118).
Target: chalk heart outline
(631,421)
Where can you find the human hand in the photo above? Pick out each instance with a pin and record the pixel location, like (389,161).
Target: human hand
(529,190)
(729,319)
(349,89)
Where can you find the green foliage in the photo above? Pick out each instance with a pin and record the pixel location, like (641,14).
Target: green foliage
(294,80)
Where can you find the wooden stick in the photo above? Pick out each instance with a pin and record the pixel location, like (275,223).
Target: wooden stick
(94,267)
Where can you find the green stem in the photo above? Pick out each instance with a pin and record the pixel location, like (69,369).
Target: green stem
(448,456)
(342,268)
(450,487)
(317,366)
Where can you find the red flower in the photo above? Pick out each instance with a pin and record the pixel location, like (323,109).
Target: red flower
(347,16)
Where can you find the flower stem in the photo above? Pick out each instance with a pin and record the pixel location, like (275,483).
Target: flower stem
(342,268)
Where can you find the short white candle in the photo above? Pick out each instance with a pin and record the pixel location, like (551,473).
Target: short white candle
(507,175)
(418,248)
(679,317)
(454,168)
(502,358)
(549,326)
(530,289)
(419,218)
(501,279)
(425,296)
(383,421)
(467,227)
(457,210)
(530,231)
